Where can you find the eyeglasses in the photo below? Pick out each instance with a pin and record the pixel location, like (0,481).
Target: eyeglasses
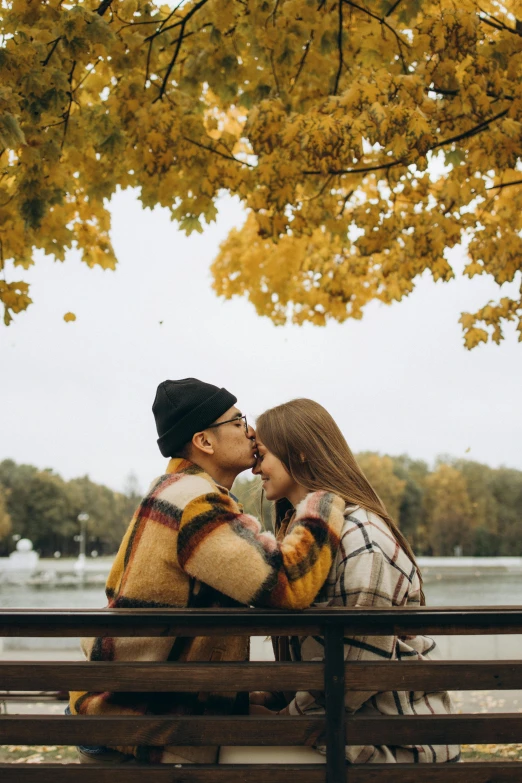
(229,421)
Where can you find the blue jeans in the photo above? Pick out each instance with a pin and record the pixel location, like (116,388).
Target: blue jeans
(94,750)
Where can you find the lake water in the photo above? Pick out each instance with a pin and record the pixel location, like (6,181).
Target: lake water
(472,590)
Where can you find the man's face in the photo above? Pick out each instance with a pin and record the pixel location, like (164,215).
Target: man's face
(234,444)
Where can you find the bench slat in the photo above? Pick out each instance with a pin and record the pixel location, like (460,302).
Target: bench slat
(481,772)
(434,729)
(163,677)
(360,676)
(260,622)
(434,675)
(258,730)
(152,730)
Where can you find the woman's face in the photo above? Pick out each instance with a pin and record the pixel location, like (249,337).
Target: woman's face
(277,482)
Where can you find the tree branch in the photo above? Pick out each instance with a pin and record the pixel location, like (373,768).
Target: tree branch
(274,74)
(392,9)
(505,185)
(454,93)
(302,61)
(170,66)
(340,47)
(67,112)
(104,6)
(322,189)
(380,19)
(100,11)
(162,22)
(217,152)
(133,24)
(345,202)
(362,170)
(87,74)
(404,161)
(149,56)
(498,24)
(273,15)
(181,23)
(147,64)
(472,132)
(55,44)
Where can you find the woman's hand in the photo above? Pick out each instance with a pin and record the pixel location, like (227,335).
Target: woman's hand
(261,698)
(258,709)
(272,701)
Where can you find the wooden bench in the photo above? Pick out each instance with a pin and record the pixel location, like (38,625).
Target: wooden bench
(334,676)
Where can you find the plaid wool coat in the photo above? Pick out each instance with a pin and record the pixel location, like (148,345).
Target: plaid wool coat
(371,570)
(190,544)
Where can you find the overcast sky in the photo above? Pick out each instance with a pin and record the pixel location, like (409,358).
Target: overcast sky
(77,397)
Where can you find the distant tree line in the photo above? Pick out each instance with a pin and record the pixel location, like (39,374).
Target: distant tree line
(40,505)
(457,507)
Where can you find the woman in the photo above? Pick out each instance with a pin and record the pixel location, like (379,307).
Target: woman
(301,449)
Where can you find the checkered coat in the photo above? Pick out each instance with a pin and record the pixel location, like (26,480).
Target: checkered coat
(371,570)
(190,544)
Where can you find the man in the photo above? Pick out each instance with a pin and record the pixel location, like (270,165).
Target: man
(190,544)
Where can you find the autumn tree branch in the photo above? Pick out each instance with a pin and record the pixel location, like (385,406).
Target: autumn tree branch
(181,24)
(472,132)
(100,11)
(170,66)
(405,161)
(147,64)
(498,24)
(274,73)
(162,22)
(54,45)
(340,47)
(217,152)
(149,56)
(126,24)
(454,93)
(505,185)
(273,15)
(302,61)
(88,73)
(392,9)
(346,199)
(322,189)
(104,6)
(362,170)
(67,112)
(382,21)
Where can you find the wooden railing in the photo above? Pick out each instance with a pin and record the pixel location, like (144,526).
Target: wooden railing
(334,676)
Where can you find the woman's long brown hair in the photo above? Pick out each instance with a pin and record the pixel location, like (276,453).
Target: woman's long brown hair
(303,435)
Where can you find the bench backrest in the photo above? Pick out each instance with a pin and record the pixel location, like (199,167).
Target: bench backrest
(332,677)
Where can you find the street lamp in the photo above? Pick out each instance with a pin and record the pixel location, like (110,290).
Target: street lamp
(83,518)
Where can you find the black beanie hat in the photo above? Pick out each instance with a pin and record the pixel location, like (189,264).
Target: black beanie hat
(184,407)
